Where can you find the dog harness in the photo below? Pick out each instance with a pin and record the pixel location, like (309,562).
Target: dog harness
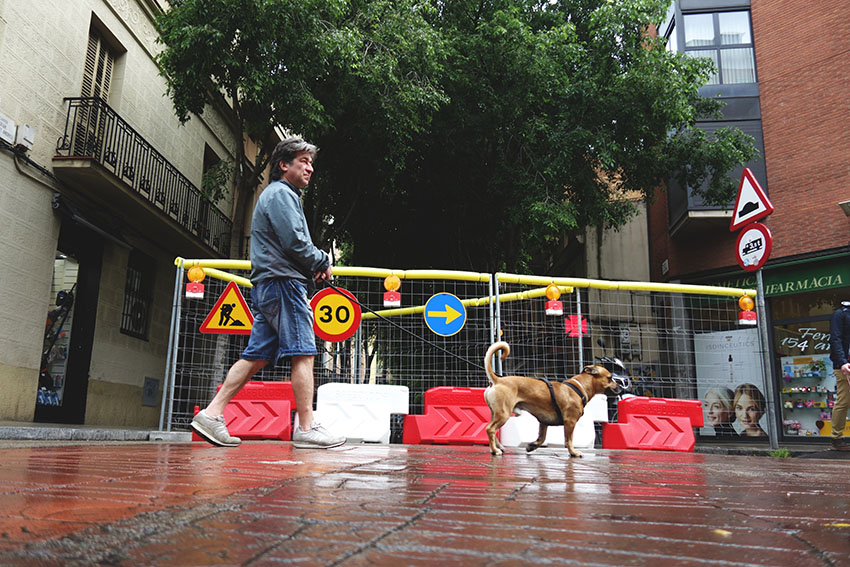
(577,388)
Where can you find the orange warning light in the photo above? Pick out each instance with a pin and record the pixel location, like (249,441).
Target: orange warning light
(196,274)
(392,283)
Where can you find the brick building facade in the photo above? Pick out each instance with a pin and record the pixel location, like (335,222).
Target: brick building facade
(795,103)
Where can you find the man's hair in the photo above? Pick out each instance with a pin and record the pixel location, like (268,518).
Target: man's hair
(286,151)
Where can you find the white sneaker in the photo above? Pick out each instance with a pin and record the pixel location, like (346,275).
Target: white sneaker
(214,430)
(317,437)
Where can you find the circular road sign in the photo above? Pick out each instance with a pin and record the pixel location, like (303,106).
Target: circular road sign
(336,314)
(445,314)
(753,246)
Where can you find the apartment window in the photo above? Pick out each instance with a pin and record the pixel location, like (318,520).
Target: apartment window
(138,295)
(726,39)
(97,71)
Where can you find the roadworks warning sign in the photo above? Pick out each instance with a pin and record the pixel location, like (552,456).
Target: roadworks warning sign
(230,315)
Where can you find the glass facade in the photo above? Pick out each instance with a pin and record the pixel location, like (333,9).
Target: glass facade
(802,367)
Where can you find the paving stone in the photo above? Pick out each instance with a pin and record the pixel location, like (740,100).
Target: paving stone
(269,504)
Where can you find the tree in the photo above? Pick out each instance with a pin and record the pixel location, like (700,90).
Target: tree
(556,112)
(471,134)
(279,64)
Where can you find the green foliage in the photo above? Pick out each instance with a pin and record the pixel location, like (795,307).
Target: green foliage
(467,134)
(354,76)
(245,51)
(780,453)
(217,180)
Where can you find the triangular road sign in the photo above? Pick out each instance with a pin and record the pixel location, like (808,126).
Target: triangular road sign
(752,203)
(230,315)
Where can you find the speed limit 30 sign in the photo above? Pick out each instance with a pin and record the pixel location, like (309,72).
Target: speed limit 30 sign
(336,314)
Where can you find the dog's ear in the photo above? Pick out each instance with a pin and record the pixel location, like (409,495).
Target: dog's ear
(592,370)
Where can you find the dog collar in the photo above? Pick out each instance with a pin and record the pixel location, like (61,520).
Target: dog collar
(578,389)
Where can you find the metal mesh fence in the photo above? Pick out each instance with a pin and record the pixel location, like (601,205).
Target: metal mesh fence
(675,344)
(672,342)
(391,345)
(397,347)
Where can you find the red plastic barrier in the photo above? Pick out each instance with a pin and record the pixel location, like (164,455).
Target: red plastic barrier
(663,424)
(261,410)
(453,416)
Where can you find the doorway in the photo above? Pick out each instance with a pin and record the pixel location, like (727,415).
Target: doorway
(69,327)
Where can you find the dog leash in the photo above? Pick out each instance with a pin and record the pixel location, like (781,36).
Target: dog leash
(411,333)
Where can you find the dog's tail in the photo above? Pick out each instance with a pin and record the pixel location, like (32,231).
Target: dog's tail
(499,346)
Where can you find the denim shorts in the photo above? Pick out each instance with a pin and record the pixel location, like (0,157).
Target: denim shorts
(283,321)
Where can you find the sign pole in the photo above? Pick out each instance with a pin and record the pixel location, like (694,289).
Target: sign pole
(764,343)
(752,250)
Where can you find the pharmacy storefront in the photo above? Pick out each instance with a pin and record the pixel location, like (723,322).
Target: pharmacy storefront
(801,298)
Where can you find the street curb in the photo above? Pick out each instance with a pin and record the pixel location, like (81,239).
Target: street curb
(35,433)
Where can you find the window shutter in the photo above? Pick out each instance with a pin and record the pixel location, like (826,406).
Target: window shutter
(97,72)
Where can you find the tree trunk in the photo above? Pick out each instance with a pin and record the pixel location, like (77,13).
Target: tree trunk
(244,196)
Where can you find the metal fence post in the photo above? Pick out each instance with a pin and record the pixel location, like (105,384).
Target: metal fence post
(173,336)
(580,334)
(498,322)
(175,345)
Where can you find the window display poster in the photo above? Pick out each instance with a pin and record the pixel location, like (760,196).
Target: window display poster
(730,383)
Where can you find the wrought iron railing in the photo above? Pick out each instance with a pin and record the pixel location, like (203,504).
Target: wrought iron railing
(95,131)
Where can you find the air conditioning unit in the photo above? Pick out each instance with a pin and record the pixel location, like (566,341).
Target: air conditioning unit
(25,137)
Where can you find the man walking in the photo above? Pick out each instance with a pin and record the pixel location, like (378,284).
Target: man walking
(283,259)
(839,342)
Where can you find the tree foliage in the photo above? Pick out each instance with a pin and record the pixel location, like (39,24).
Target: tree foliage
(470,134)
(298,65)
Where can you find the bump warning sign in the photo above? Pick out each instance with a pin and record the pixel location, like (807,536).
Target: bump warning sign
(230,315)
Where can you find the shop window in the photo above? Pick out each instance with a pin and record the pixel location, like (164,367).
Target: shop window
(138,295)
(818,304)
(805,375)
(725,38)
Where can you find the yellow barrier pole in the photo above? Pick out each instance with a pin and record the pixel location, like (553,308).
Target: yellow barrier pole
(346,270)
(228,277)
(473,302)
(211,267)
(214,263)
(626,285)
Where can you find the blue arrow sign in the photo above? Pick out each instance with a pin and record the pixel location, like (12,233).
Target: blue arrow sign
(445,315)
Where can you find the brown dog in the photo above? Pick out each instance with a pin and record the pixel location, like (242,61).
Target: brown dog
(508,393)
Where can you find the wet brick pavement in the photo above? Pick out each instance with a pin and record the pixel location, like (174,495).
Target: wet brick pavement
(269,504)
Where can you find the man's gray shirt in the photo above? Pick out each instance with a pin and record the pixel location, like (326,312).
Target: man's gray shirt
(281,246)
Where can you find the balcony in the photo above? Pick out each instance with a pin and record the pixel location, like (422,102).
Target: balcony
(690,215)
(108,162)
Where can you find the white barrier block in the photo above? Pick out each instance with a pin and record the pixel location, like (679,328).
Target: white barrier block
(522,429)
(596,409)
(360,412)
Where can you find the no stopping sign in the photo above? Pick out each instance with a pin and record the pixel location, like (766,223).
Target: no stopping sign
(336,314)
